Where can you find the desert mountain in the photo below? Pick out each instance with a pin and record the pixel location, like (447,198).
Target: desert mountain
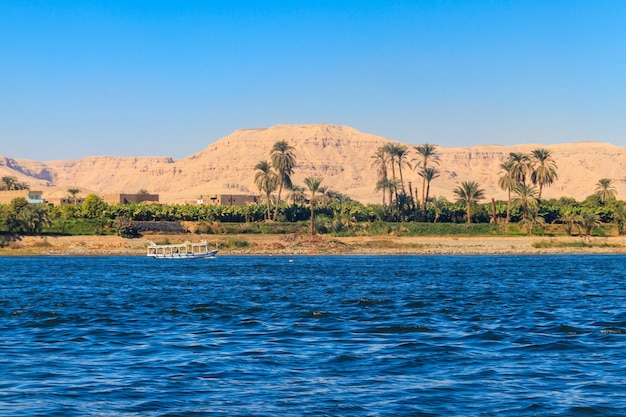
(339,154)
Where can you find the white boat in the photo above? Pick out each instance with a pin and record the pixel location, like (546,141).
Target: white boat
(185,250)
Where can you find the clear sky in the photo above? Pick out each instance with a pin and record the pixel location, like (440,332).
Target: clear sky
(168,78)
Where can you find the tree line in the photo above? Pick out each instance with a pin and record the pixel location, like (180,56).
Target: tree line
(522,176)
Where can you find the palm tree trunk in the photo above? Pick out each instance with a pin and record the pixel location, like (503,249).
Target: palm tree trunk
(469,214)
(312,217)
(425,200)
(508,208)
(280,189)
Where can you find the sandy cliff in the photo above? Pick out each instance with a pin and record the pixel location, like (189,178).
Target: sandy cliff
(339,154)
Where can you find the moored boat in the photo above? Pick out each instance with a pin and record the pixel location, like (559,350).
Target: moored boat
(186,250)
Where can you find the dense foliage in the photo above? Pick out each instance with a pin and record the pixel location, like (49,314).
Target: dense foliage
(402,212)
(94,216)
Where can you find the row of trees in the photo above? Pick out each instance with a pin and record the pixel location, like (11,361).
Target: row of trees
(10,183)
(523,177)
(277,175)
(328,214)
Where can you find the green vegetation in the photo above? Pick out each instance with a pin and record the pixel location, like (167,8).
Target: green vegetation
(550,217)
(545,244)
(315,209)
(9,183)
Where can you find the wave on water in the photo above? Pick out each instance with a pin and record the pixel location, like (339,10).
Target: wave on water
(336,335)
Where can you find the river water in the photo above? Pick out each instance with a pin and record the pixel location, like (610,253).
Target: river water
(313,335)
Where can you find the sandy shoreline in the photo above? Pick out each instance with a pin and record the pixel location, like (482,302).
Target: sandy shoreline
(321,245)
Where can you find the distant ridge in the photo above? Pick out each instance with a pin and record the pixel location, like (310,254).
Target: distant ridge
(340,154)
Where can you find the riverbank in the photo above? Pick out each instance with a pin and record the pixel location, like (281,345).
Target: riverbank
(321,245)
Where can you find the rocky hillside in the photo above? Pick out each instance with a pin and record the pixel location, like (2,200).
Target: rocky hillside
(339,154)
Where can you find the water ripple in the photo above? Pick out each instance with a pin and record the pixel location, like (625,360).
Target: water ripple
(425,336)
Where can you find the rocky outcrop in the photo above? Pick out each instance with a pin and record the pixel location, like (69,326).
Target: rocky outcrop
(339,154)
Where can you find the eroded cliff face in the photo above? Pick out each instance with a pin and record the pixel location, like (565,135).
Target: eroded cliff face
(339,154)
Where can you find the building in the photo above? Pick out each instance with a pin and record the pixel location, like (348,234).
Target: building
(228,199)
(34,197)
(130,198)
(64,201)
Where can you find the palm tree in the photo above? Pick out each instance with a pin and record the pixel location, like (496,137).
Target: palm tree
(8,183)
(526,196)
(380,162)
(521,166)
(73,192)
(507,182)
(428,174)
(605,190)
(387,185)
(34,217)
(619,216)
(425,152)
(532,220)
(313,184)
(469,193)
(297,194)
(283,161)
(571,222)
(438,204)
(589,221)
(390,149)
(266,181)
(544,172)
(400,153)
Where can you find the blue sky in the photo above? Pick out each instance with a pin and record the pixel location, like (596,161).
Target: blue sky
(167,78)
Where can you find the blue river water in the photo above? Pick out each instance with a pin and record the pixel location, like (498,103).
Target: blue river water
(313,335)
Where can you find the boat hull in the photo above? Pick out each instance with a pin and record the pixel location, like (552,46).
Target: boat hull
(210,254)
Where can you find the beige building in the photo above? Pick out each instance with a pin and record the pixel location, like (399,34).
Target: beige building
(34,197)
(130,198)
(228,199)
(64,201)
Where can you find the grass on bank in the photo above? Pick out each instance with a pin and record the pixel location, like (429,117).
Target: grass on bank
(76,227)
(582,244)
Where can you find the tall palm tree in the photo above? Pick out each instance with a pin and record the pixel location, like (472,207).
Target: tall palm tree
(313,184)
(386,185)
(521,166)
(428,174)
(544,172)
(283,161)
(426,152)
(507,182)
(266,181)
(605,190)
(391,150)
(400,155)
(469,193)
(73,192)
(526,197)
(381,162)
